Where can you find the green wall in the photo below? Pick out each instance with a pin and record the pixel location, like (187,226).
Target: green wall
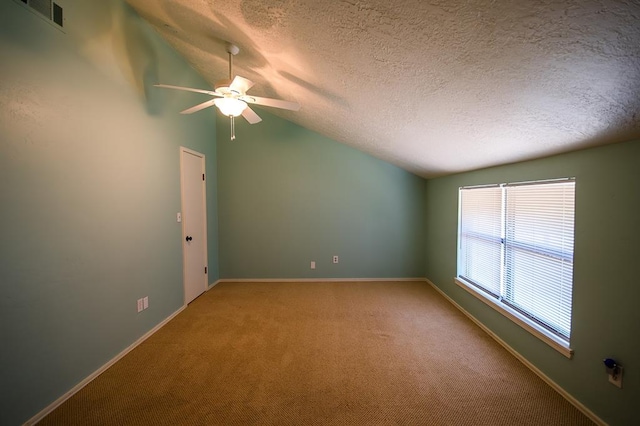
(289,196)
(605,318)
(89,187)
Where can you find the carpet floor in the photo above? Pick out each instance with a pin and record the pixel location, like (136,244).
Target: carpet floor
(329,353)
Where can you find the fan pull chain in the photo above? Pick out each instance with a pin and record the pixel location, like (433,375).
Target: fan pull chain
(233,128)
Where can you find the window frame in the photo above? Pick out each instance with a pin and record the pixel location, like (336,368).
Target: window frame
(520,318)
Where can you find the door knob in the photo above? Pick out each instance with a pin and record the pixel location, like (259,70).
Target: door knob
(189,238)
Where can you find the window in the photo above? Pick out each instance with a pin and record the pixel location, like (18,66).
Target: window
(515,248)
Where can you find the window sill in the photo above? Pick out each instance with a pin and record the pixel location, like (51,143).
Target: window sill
(519,319)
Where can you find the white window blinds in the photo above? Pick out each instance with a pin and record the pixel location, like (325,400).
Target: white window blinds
(481,237)
(516,243)
(539,252)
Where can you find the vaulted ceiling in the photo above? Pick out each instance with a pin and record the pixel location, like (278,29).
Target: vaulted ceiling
(435,87)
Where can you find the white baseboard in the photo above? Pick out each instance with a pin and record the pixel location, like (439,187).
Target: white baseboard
(311,280)
(35,419)
(523,360)
(55,404)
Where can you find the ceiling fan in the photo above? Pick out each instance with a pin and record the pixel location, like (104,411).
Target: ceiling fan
(231,96)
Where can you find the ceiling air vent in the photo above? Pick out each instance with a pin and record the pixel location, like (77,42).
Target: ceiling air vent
(47,8)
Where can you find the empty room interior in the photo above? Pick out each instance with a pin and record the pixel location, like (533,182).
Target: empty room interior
(421,213)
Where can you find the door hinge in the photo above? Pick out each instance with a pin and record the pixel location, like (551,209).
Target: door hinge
(205,269)
(203,176)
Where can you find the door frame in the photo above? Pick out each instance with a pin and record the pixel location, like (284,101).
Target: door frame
(183,151)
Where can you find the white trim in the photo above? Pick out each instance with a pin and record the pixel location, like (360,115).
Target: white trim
(519,319)
(213,284)
(541,182)
(566,395)
(312,280)
(55,404)
(35,419)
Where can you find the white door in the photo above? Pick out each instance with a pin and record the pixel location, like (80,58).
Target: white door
(194,223)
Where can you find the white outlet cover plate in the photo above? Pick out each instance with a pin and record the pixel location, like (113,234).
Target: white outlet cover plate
(618,380)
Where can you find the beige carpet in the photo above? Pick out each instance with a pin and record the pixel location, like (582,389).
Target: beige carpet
(393,353)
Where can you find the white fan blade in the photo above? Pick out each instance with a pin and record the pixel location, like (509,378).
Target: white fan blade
(241,84)
(275,103)
(188,89)
(198,107)
(251,116)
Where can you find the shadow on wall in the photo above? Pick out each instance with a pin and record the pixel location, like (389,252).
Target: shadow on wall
(263,15)
(315,89)
(141,56)
(112,27)
(215,30)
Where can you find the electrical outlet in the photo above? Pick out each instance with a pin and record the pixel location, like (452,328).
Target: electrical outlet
(313,264)
(145,302)
(335,259)
(140,305)
(617,380)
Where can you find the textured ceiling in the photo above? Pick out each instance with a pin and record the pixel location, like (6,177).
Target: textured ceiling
(436,86)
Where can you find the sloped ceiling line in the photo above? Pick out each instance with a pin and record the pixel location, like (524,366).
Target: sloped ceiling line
(434,87)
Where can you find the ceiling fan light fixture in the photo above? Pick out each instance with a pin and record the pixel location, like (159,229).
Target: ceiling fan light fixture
(231,107)
(231,99)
